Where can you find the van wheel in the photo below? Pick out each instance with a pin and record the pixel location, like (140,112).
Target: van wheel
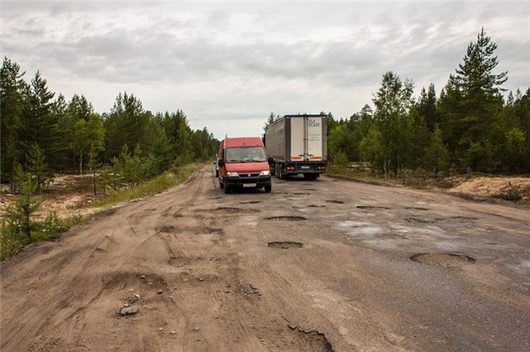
(268,189)
(221,185)
(227,189)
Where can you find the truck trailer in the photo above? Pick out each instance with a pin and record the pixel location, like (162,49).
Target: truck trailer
(297,145)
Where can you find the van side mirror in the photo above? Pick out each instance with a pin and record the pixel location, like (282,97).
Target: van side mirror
(221,163)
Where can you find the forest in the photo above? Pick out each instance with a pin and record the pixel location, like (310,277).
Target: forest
(473,125)
(42,133)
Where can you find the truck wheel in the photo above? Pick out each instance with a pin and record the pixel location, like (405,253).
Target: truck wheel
(268,189)
(279,171)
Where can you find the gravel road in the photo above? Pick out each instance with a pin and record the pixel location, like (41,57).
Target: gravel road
(326,265)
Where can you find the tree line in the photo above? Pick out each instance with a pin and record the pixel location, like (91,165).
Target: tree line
(42,132)
(471,126)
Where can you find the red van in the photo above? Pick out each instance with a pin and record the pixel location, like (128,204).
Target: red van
(243,163)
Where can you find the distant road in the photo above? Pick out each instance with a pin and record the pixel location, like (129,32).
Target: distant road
(326,265)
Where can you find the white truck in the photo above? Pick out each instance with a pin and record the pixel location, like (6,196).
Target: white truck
(297,145)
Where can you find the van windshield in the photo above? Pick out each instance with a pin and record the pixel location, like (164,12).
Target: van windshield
(245,155)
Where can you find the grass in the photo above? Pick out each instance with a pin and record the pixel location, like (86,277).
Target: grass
(153,186)
(417,179)
(12,241)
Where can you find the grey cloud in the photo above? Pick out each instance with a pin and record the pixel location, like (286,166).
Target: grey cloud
(293,55)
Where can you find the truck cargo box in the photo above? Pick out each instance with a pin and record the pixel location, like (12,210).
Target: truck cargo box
(298,145)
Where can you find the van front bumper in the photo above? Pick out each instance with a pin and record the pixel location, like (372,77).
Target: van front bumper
(238,181)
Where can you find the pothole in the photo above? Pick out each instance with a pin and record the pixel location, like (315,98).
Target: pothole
(461,218)
(316,206)
(167,229)
(285,244)
(287,218)
(232,210)
(251,202)
(371,207)
(316,340)
(335,201)
(211,231)
(418,220)
(446,260)
(416,208)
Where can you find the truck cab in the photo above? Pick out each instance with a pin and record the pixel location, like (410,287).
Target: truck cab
(243,163)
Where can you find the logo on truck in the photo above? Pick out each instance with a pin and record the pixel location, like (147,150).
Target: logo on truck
(313,123)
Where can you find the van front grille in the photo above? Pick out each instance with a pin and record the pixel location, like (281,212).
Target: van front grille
(243,175)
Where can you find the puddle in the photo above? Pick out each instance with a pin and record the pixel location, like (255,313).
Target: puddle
(416,208)
(285,244)
(316,206)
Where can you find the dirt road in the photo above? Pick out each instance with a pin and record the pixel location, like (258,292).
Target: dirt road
(314,266)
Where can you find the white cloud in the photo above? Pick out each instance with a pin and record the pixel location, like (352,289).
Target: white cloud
(228,65)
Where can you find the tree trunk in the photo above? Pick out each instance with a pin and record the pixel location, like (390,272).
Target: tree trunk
(26,224)
(94,181)
(80,164)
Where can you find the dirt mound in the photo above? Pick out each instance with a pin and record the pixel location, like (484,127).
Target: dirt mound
(509,188)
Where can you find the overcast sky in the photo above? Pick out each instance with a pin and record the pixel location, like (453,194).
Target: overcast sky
(229,64)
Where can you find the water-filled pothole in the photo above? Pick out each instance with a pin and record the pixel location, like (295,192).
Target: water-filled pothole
(316,206)
(287,218)
(335,201)
(285,244)
(416,208)
(443,259)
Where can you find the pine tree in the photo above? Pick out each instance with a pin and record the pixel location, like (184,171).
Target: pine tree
(436,157)
(12,100)
(37,166)
(38,121)
(393,101)
(471,100)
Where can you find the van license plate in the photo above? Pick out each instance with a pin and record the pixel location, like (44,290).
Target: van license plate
(249,185)
(305,167)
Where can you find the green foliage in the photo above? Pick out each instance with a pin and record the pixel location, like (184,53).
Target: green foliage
(38,167)
(12,241)
(436,157)
(152,186)
(469,128)
(371,147)
(341,159)
(18,216)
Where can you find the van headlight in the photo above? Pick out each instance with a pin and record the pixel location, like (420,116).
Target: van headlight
(265,173)
(232,174)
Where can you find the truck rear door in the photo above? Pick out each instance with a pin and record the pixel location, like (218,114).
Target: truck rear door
(313,129)
(298,138)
